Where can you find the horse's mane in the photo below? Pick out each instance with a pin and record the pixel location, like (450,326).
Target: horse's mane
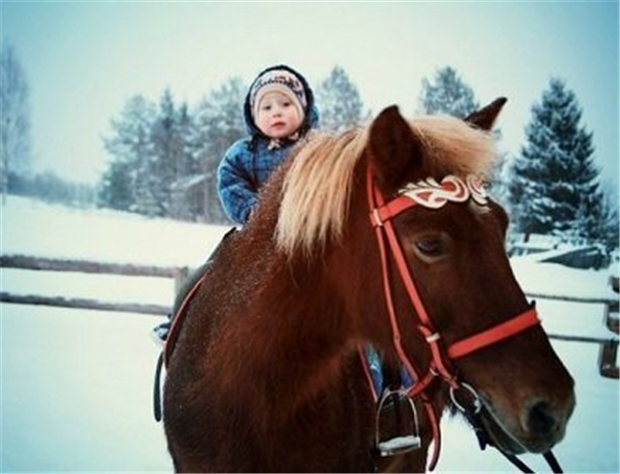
(317,187)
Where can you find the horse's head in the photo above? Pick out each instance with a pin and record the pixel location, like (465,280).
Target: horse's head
(452,242)
(416,185)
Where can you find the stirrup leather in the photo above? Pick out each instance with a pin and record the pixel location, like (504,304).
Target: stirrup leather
(403,442)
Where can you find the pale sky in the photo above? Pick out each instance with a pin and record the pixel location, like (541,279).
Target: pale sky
(84,59)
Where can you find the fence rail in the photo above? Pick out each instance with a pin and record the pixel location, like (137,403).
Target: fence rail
(573,299)
(84,303)
(608,347)
(24,262)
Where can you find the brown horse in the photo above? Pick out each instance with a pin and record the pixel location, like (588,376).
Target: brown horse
(384,236)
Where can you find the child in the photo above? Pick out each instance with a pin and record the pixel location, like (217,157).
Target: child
(279,110)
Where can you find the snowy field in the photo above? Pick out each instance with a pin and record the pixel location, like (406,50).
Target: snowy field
(76,385)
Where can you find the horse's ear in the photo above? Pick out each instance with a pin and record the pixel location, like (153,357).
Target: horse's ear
(485,117)
(396,153)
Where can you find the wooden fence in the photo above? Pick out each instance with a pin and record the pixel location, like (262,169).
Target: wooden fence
(24,262)
(608,353)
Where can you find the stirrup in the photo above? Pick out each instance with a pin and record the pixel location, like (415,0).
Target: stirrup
(398,444)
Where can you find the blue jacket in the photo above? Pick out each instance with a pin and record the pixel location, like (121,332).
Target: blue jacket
(248,162)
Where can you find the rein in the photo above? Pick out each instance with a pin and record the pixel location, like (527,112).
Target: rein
(434,195)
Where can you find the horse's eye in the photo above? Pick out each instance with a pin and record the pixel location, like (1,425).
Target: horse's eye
(431,247)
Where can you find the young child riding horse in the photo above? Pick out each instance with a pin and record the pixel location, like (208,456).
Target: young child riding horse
(381,235)
(279,111)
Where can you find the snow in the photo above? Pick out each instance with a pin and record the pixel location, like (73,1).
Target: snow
(76,385)
(54,231)
(556,279)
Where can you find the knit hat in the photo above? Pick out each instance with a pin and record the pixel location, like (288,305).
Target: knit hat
(278,80)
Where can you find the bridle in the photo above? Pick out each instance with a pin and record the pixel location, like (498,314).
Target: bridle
(433,195)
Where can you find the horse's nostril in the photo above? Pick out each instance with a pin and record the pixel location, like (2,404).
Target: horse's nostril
(541,419)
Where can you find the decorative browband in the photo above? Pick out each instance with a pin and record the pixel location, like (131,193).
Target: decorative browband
(429,193)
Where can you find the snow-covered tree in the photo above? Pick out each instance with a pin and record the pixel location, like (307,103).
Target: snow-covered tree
(150,153)
(339,102)
(169,156)
(554,186)
(219,123)
(124,184)
(184,204)
(15,144)
(447,93)
(164,158)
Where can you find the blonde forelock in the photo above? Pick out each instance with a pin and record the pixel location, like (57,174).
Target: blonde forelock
(316,190)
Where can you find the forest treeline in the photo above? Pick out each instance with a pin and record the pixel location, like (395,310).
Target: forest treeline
(163,155)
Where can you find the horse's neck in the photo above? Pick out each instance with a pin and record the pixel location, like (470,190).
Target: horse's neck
(305,319)
(292,329)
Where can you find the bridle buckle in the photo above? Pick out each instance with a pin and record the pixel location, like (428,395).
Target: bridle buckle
(476,403)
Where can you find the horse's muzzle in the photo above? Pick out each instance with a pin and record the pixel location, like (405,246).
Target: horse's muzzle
(542,424)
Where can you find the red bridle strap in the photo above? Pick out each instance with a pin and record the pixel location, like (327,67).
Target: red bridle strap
(387,211)
(381,220)
(494,335)
(376,203)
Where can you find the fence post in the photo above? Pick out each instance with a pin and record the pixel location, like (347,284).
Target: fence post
(180,276)
(608,359)
(608,353)
(611,316)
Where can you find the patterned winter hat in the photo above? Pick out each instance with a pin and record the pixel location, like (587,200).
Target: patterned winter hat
(278,80)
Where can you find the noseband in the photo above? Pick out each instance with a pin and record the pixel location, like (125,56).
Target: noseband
(432,195)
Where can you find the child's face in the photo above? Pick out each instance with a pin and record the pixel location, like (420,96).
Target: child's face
(277,116)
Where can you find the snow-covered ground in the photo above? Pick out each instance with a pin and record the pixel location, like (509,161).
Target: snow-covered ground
(76,385)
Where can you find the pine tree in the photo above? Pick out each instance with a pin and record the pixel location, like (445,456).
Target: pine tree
(124,184)
(447,94)
(339,102)
(15,145)
(554,185)
(168,158)
(219,123)
(151,153)
(184,204)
